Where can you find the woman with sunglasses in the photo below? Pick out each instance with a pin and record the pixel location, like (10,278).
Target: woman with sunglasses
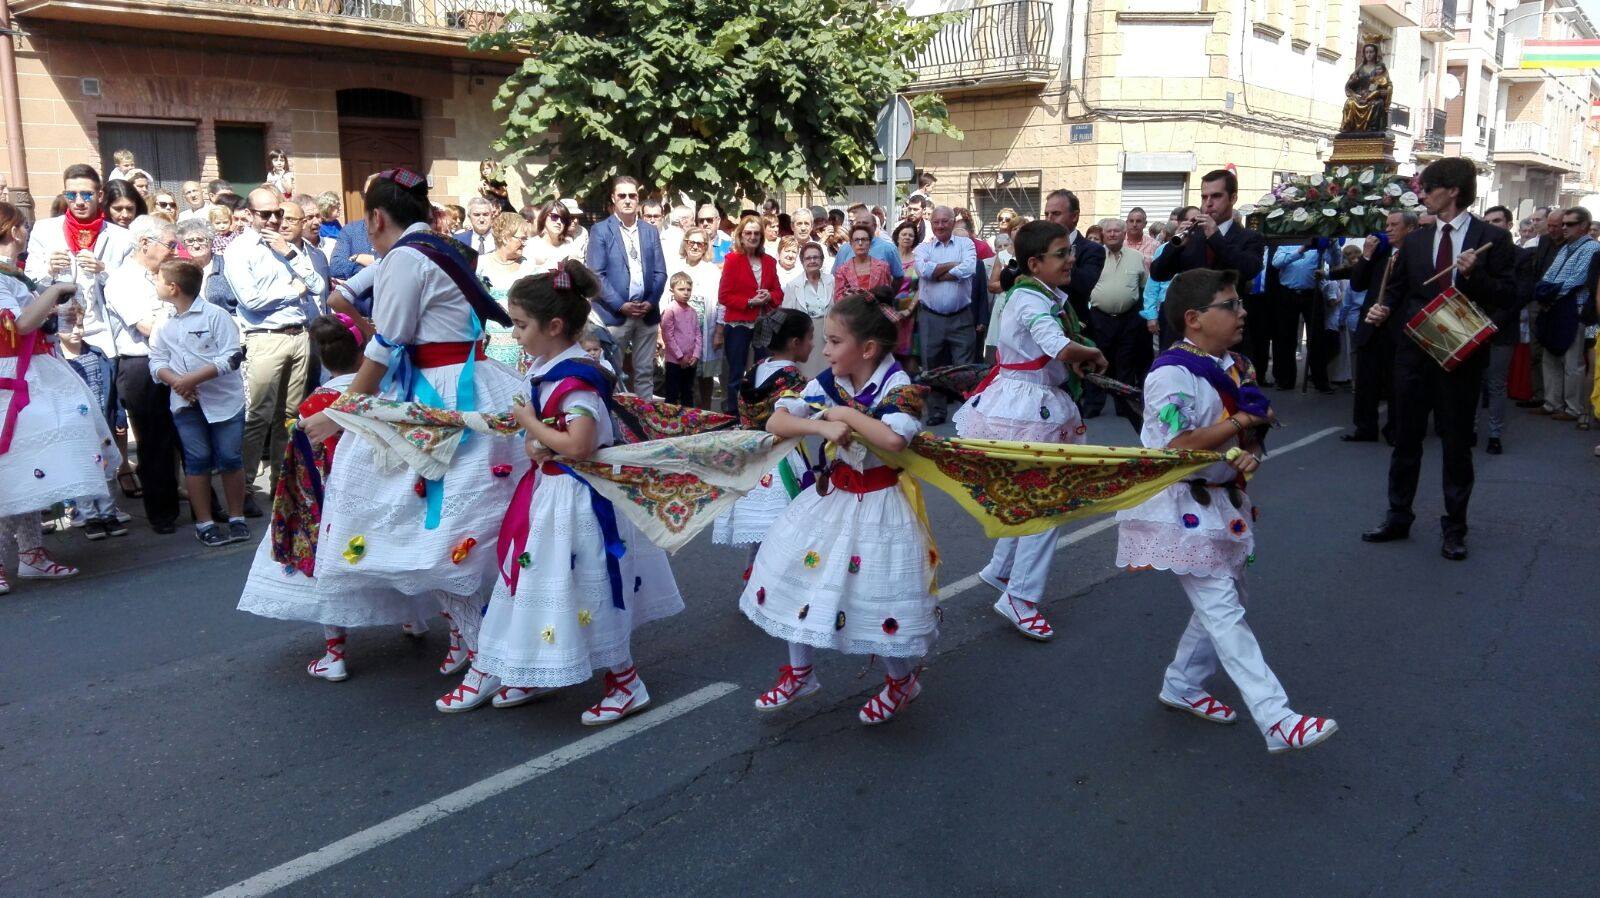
(694,260)
(551,243)
(165,205)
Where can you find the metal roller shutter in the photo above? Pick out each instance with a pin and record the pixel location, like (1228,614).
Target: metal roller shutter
(1156,193)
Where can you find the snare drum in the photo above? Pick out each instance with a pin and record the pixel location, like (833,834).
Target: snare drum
(1450,328)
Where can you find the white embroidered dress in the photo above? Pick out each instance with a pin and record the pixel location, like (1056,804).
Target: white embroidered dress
(61,446)
(756,511)
(1026,406)
(1171,531)
(560,624)
(846,571)
(402,567)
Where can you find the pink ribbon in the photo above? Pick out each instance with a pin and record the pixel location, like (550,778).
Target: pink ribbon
(18,385)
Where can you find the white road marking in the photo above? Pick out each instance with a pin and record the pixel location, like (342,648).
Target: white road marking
(952,590)
(415,819)
(409,822)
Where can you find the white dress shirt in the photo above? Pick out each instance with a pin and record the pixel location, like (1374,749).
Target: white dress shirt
(945,297)
(189,341)
(631,249)
(484,243)
(272,290)
(413,302)
(111,248)
(131,299)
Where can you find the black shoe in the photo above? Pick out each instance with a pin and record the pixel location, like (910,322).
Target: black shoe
(251,509)
(1528,403)
(1454,547)
(95,529)
(165,528)
(1388,531)
(112,526)
(1326,391)
(1286,388)
(1494,447)
(238,531)
(934,420)
(1359,437)
(211,535)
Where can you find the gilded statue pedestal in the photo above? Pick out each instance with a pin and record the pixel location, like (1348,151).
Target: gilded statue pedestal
(1362,149)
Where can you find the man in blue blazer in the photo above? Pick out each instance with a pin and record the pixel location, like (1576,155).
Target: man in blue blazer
(1089,259)
(625,252)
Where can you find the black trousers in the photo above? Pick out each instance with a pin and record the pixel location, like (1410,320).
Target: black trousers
(1374,372)
(150,414)
(1298,306)
(1259,323)
(1421,387)
(1125,341)
(736,358)
(678,388)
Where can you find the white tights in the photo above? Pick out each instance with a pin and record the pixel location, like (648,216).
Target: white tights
(801,655)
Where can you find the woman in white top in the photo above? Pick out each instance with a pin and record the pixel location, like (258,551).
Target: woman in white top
(551,243)
(812,293)
(706,275)
(500,269)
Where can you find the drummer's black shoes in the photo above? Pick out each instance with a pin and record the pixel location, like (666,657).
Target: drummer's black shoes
(1388,531)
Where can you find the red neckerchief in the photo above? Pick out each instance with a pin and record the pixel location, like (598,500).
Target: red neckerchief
(82,236)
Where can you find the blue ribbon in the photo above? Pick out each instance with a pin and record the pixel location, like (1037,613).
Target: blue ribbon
(404,379)
(606,514)
(308,458)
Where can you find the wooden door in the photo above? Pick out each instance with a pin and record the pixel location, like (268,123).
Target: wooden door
(368,148)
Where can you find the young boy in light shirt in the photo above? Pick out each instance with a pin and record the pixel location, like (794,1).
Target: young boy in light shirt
(196,352)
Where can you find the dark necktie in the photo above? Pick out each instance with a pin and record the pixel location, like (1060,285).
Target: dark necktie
(1445,257)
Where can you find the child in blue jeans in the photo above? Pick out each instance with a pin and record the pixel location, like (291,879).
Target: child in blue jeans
(196,353)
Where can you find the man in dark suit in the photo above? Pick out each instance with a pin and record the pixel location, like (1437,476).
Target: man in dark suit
(1212,239)
(1061,207)
(1483,261)
(479,234)
(625,252)
(1374,349)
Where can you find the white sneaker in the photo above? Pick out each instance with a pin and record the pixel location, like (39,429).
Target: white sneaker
(896,694)
(1025,617)
(1202,705)
(625,694)
(476,688)
(36,564)
(330,666)
(512,696)
(1299,731)
(794,683)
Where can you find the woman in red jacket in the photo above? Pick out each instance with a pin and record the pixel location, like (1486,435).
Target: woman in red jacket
(749,289)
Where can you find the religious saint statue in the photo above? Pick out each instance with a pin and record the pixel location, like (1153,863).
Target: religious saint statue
(1367,93)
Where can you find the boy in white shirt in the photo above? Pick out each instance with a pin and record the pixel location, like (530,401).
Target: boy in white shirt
(196,353)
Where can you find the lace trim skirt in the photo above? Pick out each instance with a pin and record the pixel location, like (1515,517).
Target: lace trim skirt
(61,448)
(1172,532)
(373,542)
(283,593)
(560,625)
(1014,409)
(753,514)
(846,572)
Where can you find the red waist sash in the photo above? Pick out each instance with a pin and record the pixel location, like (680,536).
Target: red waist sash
(871,480)
(994,371)
(438,355)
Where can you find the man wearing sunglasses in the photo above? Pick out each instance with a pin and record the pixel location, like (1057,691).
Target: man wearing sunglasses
(625,251)
(83,247)
(1477,259)
(273,282)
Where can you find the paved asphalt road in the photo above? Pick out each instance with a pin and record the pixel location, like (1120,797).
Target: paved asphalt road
(154,741)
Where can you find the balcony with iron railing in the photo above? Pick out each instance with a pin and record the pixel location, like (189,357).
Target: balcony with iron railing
(1532,144)
(1400,117)
(998,45)
(438,27)
(1438,20)
(1429,145)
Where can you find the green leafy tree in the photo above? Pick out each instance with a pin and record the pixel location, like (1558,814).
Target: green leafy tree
(710,98)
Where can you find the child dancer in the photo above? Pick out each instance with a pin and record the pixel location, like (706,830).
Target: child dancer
(849,566)
(566,604)
(1023,399)
(279,583)
(392,543)
(755,512)
(1199,395)
(53,441)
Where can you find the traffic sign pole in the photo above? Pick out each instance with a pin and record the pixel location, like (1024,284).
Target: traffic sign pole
(893,158)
